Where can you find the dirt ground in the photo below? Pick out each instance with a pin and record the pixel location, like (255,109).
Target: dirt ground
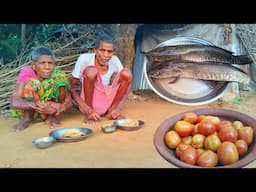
(121,149)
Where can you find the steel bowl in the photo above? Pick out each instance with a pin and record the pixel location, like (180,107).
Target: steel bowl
(43,142)
(108,128)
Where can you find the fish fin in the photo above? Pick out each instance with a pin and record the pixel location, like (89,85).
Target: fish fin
(211,84)
(173,80)
(243,60)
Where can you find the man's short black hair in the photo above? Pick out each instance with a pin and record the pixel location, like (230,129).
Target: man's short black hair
(103,37)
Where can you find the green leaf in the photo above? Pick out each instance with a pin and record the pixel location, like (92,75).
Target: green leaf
(237,100)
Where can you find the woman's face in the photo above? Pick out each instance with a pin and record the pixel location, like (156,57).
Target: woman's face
(104,53)
(44,66)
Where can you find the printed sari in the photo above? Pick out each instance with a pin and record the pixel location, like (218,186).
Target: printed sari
(40,91)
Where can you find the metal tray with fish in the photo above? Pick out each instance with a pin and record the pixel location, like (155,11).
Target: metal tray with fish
(184,91)
(71,134)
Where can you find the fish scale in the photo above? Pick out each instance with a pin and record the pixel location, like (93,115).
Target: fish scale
(196,53)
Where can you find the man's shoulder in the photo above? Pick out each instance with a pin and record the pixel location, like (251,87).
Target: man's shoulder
(115,58)
(87,55)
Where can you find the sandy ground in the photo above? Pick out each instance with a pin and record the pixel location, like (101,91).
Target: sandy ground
(121,149)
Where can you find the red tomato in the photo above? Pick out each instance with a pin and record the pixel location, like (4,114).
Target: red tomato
(195,130)
(227,153)
(246,133)
(208,159)
(190,117)
(206,127)
(223,123)
(200,118)
(189,156)
(228,134)
(181,148)
(241,146)
(183,128)
(212,118)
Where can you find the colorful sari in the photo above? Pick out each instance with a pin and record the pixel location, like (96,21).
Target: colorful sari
(40,91)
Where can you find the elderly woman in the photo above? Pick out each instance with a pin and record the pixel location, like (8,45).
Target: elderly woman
(41,92)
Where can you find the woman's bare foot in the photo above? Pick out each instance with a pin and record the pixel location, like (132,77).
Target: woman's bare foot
(23,123)
(53,121)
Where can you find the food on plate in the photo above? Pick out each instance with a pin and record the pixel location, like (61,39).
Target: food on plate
(129,123)
(73,133)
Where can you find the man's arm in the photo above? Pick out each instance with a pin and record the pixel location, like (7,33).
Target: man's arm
(83,106)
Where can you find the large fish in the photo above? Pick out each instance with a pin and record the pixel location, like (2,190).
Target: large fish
(195,53)
(207,71)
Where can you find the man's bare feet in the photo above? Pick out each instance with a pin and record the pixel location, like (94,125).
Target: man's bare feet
(53,121)
(23,123)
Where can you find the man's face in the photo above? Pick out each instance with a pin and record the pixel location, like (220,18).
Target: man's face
(44,66)
(104,53)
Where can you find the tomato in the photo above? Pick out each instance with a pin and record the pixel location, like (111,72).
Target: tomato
(195,129)
(223,123)
(237,124)
(198,140)
(241,146)
(190,117)
(212,142)
(172,139)
(181,148)
(246,133)
(228,134)
(213,119)
(200,151)
(227,153)
(206,127)
(187,140)
(200,118)
(183,128)
(189,156)
(207,159)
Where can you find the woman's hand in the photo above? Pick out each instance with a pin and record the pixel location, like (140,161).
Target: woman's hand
(44,108)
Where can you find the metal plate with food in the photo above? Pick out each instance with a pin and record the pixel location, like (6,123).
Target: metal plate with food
(71,134)
(224,114)
(128,124)
(184,91)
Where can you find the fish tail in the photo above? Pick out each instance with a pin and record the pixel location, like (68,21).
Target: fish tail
(243,60)
(252,84)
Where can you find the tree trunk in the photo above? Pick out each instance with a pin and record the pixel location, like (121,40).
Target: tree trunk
(23,35)
(125,44)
